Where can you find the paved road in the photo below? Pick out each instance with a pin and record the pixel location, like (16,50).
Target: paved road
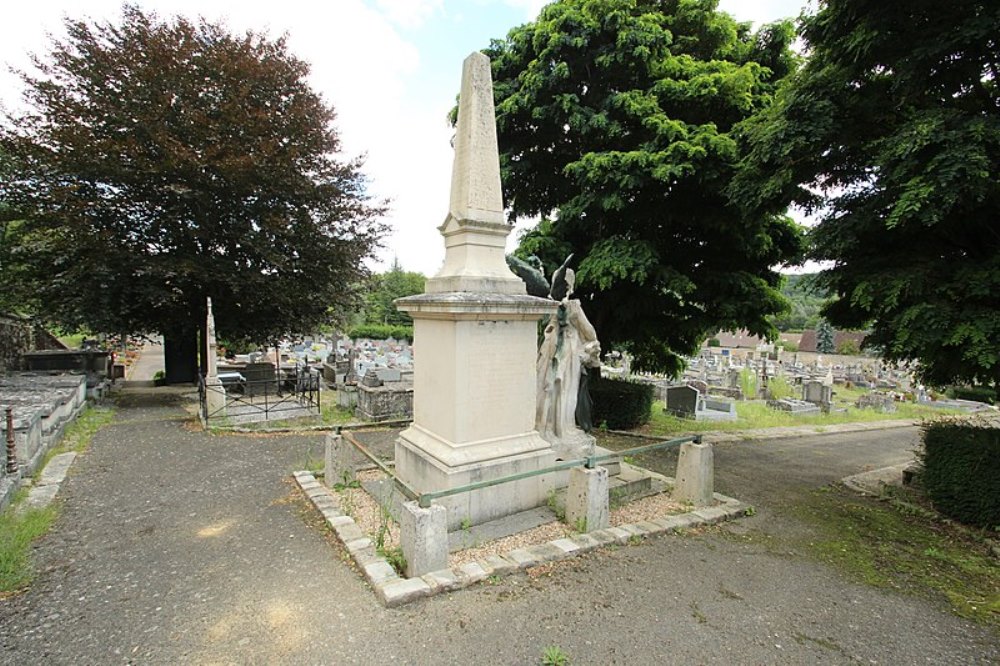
(176,547)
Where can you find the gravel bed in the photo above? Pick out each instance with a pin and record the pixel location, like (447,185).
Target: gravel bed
(360,505)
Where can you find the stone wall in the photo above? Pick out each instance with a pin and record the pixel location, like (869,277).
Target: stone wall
(16,337)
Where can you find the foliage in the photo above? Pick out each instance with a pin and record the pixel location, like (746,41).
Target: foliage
(387,287)
(961,471)
(618,125)
(748,383)
(891,134)
(848,348)
(779,388)
(554,655)
(381,332)
(789,346)
(164,161)
(806,299)
(714,342)
(620,403)
(977,393)
(824,338)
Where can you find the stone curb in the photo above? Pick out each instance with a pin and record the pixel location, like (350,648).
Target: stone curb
(393,590)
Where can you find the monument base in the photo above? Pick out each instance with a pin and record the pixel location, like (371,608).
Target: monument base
(480,461)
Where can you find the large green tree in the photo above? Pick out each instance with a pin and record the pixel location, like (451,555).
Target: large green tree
(618,125)
(384,289)
(162,161)
(891,135)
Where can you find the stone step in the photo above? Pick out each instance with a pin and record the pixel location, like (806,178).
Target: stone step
(629,482)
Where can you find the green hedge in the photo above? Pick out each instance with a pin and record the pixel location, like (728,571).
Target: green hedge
(962,472)
(621,404)
(978,393)
(381,332)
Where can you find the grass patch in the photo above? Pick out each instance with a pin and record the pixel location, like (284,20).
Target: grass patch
(752,415)
(19,527)
(885,545)
(79,433)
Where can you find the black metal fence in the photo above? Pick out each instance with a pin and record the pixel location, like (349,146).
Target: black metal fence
(238,399)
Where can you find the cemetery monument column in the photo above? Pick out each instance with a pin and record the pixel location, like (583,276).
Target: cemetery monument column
(475,341)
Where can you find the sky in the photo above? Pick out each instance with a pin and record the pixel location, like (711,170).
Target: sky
(390,68)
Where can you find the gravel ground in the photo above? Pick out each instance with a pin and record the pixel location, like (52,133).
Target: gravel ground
(175,547)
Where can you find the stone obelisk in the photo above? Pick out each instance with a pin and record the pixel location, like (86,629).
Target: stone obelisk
(475,337)
(215,393)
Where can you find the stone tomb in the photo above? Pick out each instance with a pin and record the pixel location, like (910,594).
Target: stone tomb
(688,402)
(797,407)
(379,400)
(818,393)
(42,407)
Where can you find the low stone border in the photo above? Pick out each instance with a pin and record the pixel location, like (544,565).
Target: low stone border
(393,590)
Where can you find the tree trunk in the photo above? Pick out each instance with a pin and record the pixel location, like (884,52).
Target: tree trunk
(180,356)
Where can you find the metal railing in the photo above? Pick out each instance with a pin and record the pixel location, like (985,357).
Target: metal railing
(425,499)
(284,396)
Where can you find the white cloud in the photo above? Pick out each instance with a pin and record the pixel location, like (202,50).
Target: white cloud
(409,13)
(529,7)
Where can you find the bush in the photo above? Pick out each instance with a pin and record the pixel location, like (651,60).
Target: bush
(620,403)
(381,332)
(848,348)
(962,471)
(778,388)
(978,393)
(748,383)
(789,346)
(714,342)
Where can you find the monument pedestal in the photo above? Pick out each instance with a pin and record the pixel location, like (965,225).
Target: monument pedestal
(473,408)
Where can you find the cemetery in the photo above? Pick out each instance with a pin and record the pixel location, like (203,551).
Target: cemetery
(477,446)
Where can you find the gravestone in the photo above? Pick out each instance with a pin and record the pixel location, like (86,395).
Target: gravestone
(682,400)
(817,393)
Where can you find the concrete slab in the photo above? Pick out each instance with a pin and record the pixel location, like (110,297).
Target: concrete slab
(872,482)
(57,469)
(497,529)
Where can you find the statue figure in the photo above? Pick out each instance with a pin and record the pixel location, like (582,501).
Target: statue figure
(569,349)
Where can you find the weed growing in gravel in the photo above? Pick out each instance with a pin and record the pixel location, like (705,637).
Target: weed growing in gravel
(17,530)
(553,503)
(554,655)
(395,558)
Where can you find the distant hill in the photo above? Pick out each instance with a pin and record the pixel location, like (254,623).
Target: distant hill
(806,298)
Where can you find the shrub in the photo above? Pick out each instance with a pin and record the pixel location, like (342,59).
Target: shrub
(961,472)
(778,388)
(978,393)
(620,403)
(848,348)
(789,346)
(714,342)
(748,383)
(381,332)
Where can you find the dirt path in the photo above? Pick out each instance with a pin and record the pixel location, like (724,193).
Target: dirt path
(175,546)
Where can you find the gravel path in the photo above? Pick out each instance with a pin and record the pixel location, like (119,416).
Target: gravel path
(175,546)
